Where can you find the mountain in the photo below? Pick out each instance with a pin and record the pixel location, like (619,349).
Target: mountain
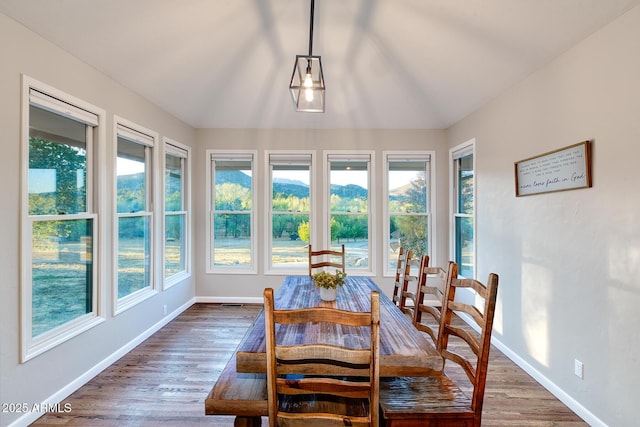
(349,191)
(233,176)
(401,192)
(293,187)
(131,181)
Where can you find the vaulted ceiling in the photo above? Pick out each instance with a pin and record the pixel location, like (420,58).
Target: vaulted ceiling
(387,63)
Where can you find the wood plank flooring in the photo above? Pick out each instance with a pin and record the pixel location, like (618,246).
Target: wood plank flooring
(164,381)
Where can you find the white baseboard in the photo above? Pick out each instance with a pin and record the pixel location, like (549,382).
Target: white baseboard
(74,385)
(545,382)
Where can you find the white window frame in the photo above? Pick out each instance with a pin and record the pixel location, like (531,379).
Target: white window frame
(325,240)
(430,158)
(295,157)
(231,154)
(177,149)
(69,106)
(148,138)
(456,153)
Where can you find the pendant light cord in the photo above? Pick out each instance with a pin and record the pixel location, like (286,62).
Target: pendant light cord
(311,28)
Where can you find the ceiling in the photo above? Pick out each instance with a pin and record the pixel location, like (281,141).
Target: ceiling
(387,63)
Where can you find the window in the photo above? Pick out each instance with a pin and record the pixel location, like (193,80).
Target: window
(231,219)
(176,212)
(60,289)
(134,214)
(407,211)
(350,203)
(463,207)
(290,208)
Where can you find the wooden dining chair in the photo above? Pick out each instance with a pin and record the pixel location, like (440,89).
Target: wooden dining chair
(439,401)
(326,258)
(429,298)
(409,285)
(400,264)
(347,394)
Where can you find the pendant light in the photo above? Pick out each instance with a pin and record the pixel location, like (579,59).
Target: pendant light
(307,81)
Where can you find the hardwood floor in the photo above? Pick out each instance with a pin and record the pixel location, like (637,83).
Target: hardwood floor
(164,381)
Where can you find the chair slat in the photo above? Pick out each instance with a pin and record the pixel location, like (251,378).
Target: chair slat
(323,258)
(323,352)
(322,314)
(344,388)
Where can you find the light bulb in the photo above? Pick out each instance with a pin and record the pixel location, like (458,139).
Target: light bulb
(308,83)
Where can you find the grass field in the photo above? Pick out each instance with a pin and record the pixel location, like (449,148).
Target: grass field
(285,253)
(62,278)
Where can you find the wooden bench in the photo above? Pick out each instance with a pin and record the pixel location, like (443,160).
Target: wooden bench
(242,395)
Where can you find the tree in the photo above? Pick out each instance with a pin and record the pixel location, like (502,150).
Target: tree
(304,231)
(70,166)
(232,197)
(412,229)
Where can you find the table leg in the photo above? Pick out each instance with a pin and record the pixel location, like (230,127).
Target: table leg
(248,422)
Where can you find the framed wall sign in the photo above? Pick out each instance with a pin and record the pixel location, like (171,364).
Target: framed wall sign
(567,168)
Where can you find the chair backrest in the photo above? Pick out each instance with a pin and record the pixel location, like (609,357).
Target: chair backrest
(477,343)
(409,284)
(326,258)
(400,264)
(294,397)
(429,296)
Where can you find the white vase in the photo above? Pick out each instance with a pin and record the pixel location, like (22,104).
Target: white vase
(328,294)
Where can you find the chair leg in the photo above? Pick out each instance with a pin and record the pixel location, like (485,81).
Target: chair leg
(247,422)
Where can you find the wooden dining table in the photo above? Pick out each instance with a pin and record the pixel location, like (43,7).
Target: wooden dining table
(404,351)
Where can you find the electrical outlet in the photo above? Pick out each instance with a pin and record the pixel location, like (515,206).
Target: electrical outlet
(164,309)
(578,368)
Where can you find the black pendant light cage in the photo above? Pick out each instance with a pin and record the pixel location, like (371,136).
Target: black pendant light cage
(307,80)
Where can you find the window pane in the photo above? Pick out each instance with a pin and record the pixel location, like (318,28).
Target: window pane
(464,246)
(349,206)
(410,232)
(290,190)
(232,240)
(353,232)
(62,278)
(407,187)
(174,250)
(465,183)
(57,164)
(134,259)
(408,208)
(131,172)
(231,245)
(173,183)
(290,215)
(349,187)
(290,240)
(232,185)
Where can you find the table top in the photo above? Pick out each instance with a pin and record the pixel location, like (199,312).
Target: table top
(404,351)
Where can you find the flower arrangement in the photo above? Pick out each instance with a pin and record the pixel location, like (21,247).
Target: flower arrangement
(327,280)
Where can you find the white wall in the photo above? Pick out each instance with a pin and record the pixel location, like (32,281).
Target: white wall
(22,51)
(212,287)
(569,262)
